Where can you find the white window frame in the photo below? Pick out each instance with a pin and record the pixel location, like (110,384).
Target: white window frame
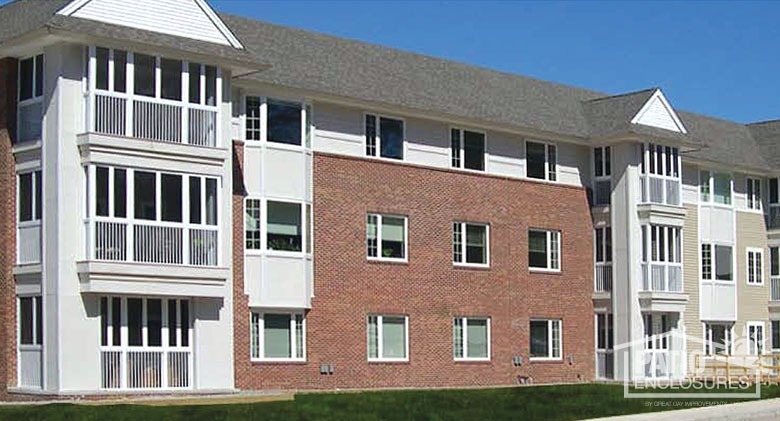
(758,326)
(264,228)
(463,245)
(378,146)
(710,174)
(547,172)
(650,151)
(260,224)
(464,342)
(753,202)
(772,329)
(708,346)
(758,270)
(35,174)
(549,236)
(379,338)
(550,356)
(259,341)
(307,128)
(35,316)
(605,233)
(461,164)
(37,97)
(379,222)
(606,171)
(714,263)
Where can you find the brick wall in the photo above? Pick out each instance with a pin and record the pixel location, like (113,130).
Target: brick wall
(8,69)
(428,288)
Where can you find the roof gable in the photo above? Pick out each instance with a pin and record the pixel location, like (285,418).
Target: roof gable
(187,18)
(657,112)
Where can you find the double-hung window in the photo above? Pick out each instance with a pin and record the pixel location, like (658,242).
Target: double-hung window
(388,337)
(541,161)
(715,188)
(384,136)
(286,225)
(755,334)
(774,261)
(546,339)
(716,262)
(775,326)
(717,339)
(471,338)
(386,237)
(602,172)
(30,197)
(30,320)
(467,149)
(755,266)
(278,336)
(30,95)
(754,193)
(470,243)
(603,245)
(544,250)
(252,224)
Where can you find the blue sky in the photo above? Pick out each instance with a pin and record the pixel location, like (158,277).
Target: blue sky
(715,58)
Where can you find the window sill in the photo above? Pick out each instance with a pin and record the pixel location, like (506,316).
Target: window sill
(474,361)
(257,362)
(474,266)
(546,360)
(388,361)
(755,284)
(388,261)
(545,271)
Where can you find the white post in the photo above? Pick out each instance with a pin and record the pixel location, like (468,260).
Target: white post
(130,86)
(218,118)
(130,233)
(185,96)
(92,84)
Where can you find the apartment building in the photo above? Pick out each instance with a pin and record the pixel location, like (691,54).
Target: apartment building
(196,201)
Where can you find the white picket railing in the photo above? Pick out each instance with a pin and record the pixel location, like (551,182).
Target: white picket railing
(603,277)
(662,277)
(154,119)
(152,242)
(658,189)
(145,368)
(30,366)
(775,288)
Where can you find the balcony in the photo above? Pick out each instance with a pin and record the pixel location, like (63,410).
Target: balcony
(659,189)
(603,278)
(129,368)
(662,277)
(154,119)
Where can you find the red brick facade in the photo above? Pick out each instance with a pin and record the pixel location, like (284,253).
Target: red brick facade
(8,70)
(429,289)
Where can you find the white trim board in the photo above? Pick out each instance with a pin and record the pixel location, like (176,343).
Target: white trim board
(186,18)
(657,112)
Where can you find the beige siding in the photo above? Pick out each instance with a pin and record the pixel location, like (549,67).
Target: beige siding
(752,300)
(691,318)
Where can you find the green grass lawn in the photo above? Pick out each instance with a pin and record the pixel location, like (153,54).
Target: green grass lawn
(560,402)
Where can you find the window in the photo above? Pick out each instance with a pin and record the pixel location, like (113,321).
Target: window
(151,322)
(171,197)
(144,71)
(31,320)
(31,78)
(544,250)
(252,224)
(471,338)
(386,237)
(717,183)
(145,198)
(775,335)
(602,159)
(603,245)
(468,149)
(470,243)
(106,60)
(755,331)
(202,78)
(774,261)
(284,226)
(170,71)
(541,160)
(661,160)
(546,340)
(665,244)
(30,206)
(253,104)
(604,326)
(388,338)
(717,339)
(721,259)
(754,193)
(278,336)
(755,266)
(103,193)
(773,191)
(284,122)
(385,135)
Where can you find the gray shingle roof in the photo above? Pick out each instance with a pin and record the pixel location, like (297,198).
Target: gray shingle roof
(352,69)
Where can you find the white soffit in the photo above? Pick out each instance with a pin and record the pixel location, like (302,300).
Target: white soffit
(186,18)
(658,113)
